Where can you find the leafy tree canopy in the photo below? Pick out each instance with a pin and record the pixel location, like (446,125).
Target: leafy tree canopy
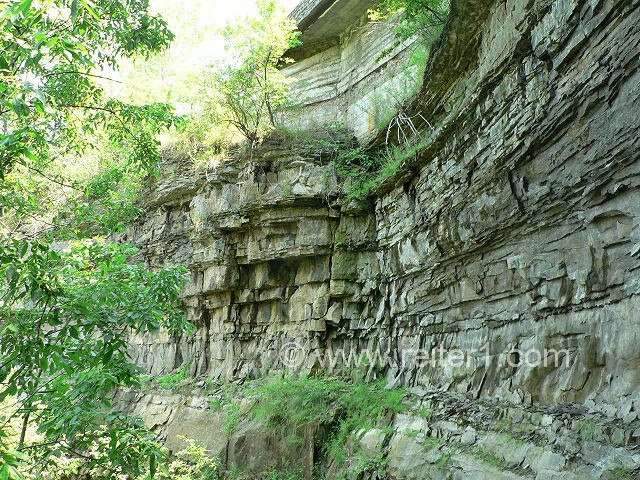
(250,87)
(52,106)
(48,93)
(65,313)
(63,351)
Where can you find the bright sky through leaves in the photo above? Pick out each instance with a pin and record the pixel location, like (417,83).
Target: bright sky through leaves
(197,25)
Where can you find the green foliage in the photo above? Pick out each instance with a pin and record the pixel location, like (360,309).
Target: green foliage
(172,380)
(10,460)
(422,19)
(327,140)
(504,424)
(359,169)
(411,432)
(293,403)
(203,137)
(88,195)
(443,459)
(488,457)
(508,437)
(171,75)
(295,138)
(226,403)
(240,96)
(586,429)
(65,314)
(621,473)
(425,412)
(54,110)
(418,60)
(377,465)
(290,404)
(216,404)
(64,320)
(432,442)
(286,188)
(362,406)
(49,100)
(192,463)
(286,474)
(249,85)
(106,205)
(363,171)
(232,412)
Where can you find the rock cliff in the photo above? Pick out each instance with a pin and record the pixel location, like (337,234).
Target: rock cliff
(507,252)
(339,74)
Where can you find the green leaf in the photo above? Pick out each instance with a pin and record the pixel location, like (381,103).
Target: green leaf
(74,9)
(18,455)
(23,6)
(15,474)
(44,363)
(107,356)
(30,155)
(152,466)
(12,389)
(11,272)
(91,10)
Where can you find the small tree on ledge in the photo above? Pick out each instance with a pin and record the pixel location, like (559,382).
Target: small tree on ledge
(249,86)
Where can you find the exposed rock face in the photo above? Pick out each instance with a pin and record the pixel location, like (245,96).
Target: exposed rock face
(339,74)
(517,228)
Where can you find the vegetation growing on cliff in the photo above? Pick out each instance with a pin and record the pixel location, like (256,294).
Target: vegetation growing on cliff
(289,408)
(291,405)
(414,19)
(191,463)
(364,170)
(419,21)
(249,88)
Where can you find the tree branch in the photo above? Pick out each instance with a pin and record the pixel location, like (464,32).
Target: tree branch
(75,72)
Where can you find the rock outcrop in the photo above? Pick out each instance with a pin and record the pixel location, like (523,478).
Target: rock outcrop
(340,75)
(507,252)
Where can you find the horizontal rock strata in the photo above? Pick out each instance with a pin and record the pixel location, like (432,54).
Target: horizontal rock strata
(518,228)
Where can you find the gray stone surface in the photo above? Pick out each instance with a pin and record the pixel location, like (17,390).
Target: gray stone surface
(518,226)
(339,76)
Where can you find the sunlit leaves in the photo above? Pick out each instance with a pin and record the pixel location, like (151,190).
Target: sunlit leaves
(10,461)
(421,19)
(50,58)
(64,320)
(65,313)
(250,86)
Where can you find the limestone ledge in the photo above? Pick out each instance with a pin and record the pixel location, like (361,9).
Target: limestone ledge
(442,435)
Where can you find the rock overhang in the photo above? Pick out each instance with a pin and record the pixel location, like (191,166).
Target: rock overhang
(323,21)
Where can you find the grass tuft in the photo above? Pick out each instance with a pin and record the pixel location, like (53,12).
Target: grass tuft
(172,380)
(290,404)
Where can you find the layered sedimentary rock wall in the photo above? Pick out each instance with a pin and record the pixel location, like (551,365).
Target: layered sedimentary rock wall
(340,75)
(513,238)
